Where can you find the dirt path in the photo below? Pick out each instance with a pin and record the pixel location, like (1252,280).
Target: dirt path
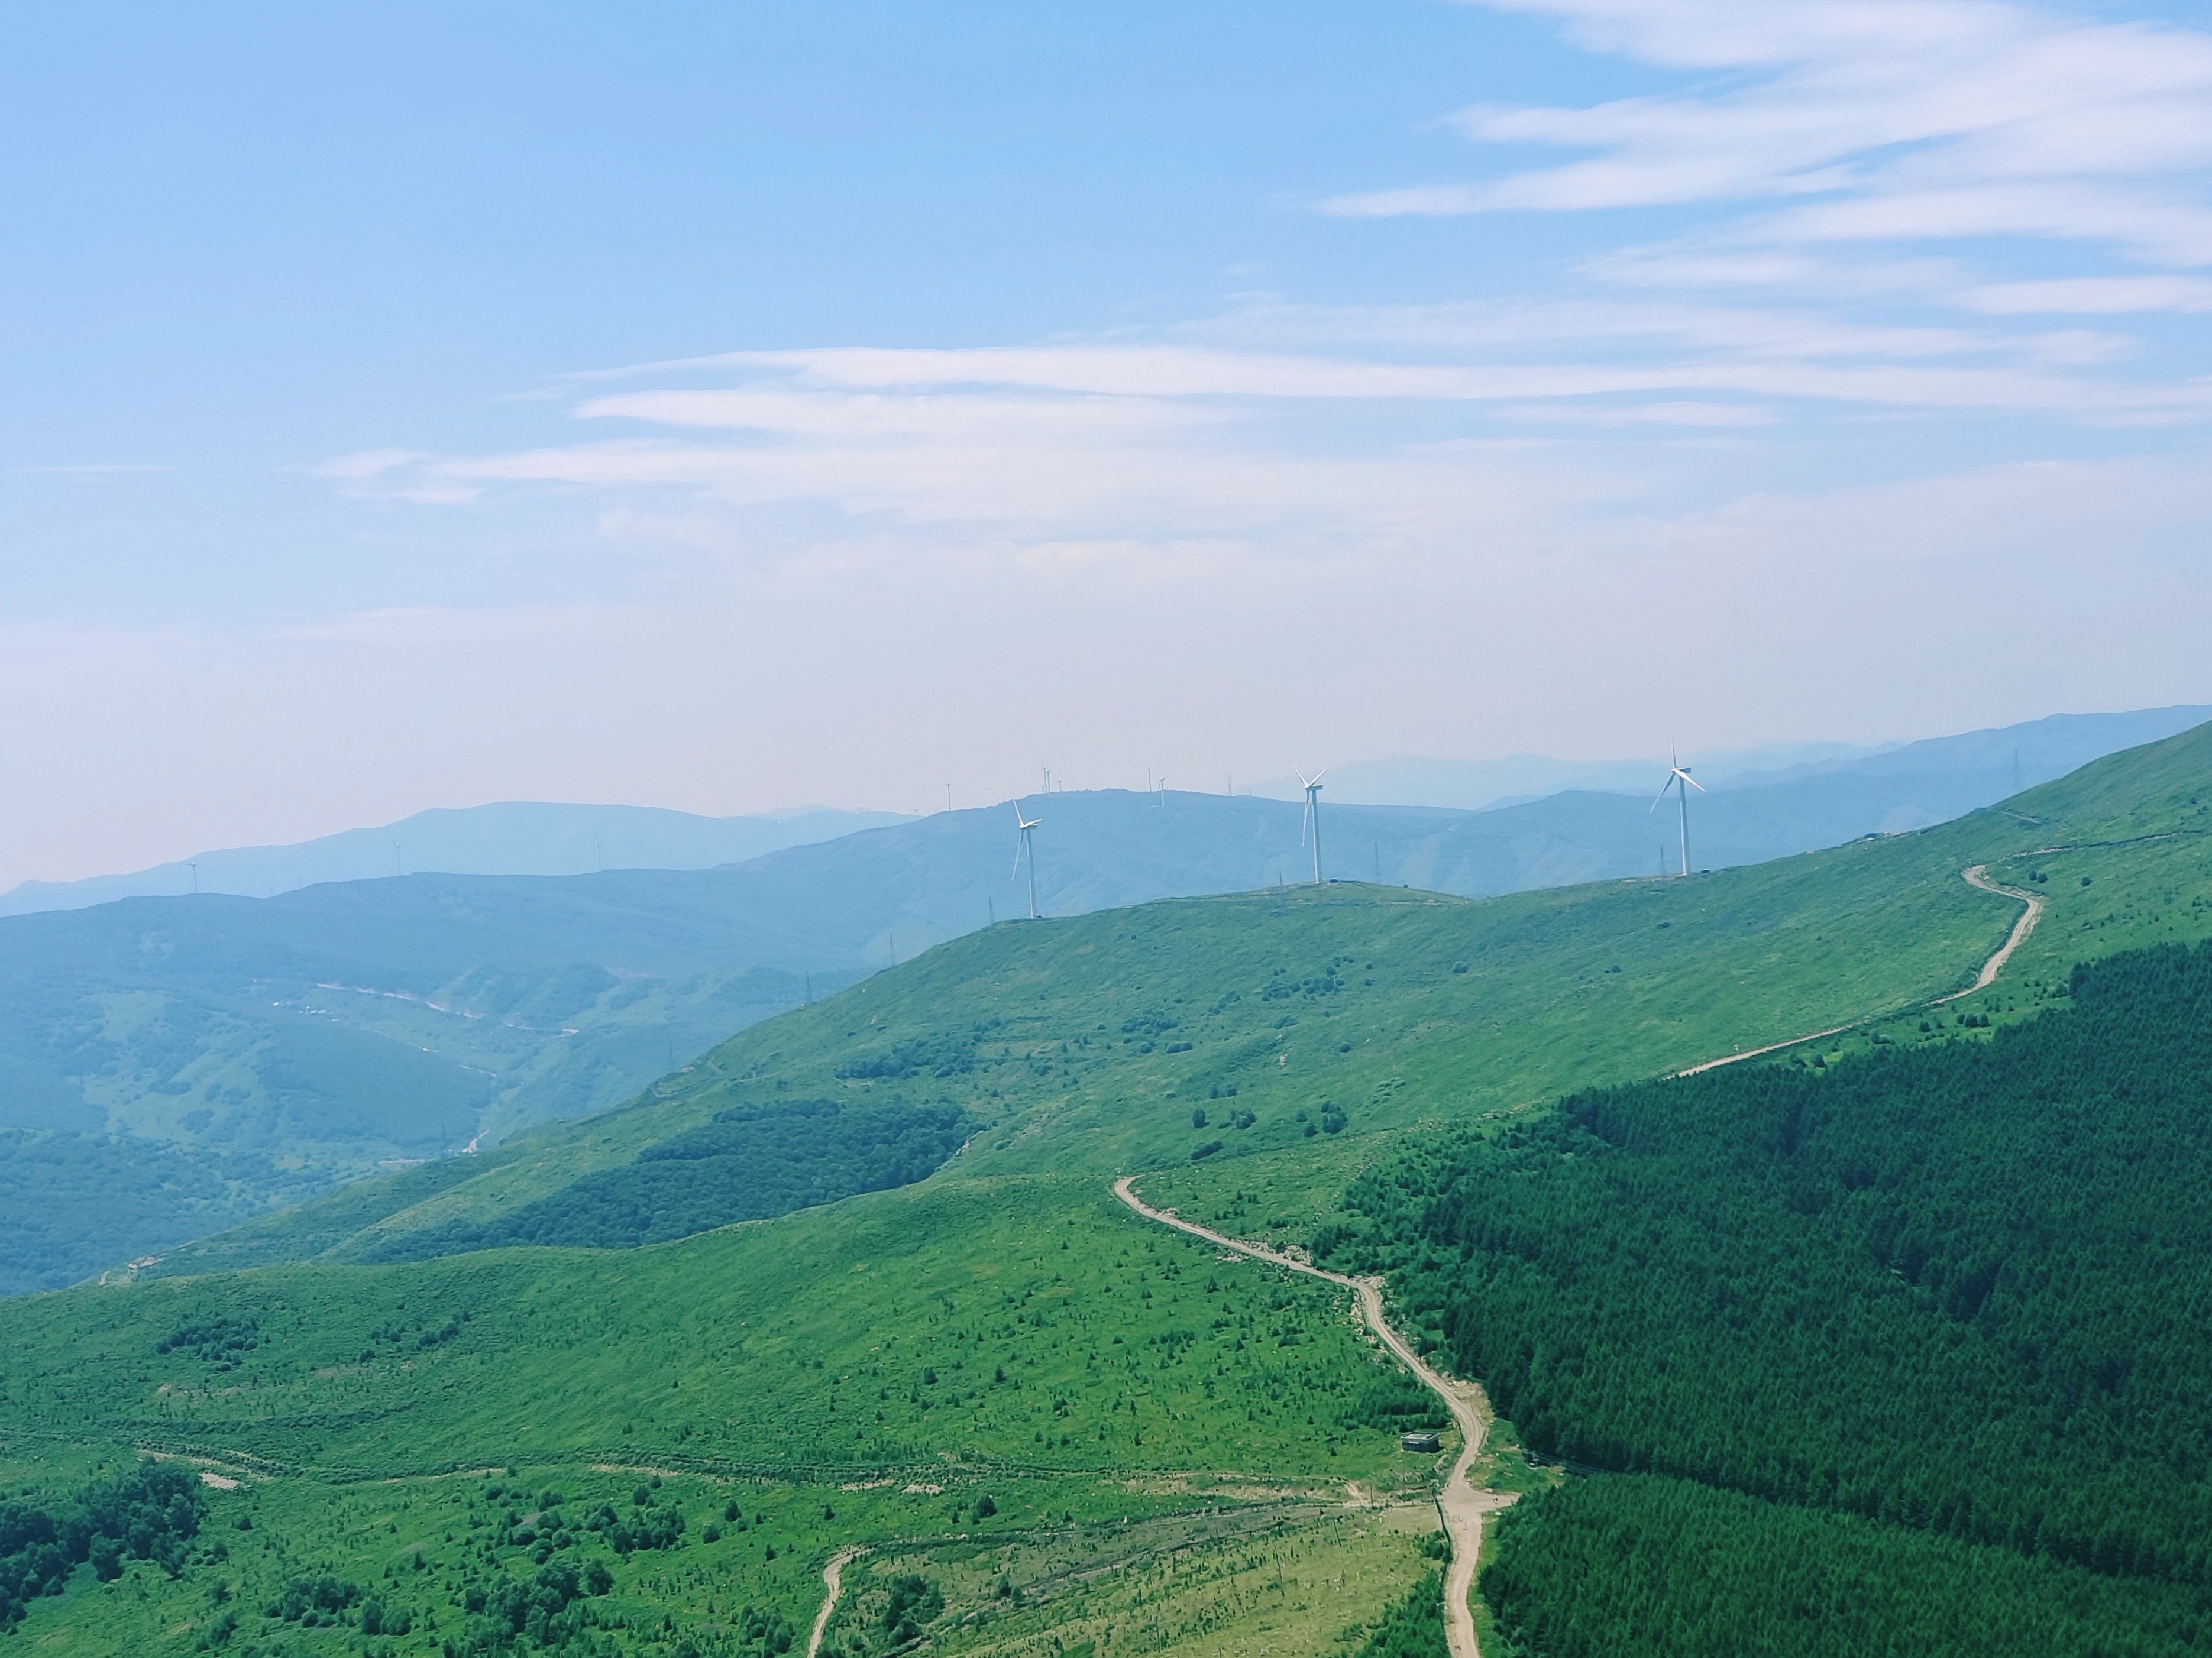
(1977,876)
(1459,1504)
(1753,1053)
(833,1579)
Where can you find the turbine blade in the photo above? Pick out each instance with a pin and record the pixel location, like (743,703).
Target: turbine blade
(1661,795)
(1691,781)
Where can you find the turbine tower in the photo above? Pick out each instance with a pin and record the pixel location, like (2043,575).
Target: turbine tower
(1679,780)
(1311,823)
(1026,848)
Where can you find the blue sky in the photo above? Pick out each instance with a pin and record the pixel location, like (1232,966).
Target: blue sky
(728,407)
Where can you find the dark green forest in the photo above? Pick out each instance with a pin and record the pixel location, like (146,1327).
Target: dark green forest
(148,1514)
(1642,1563)
(749,1163)
(1959,1290)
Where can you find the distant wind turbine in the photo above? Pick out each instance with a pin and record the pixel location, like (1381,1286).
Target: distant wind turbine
(1679,780)
(1027,849)
(1311,822)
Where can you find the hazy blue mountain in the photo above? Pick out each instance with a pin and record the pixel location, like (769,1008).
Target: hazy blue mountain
(1481,785)
(2003,759)
(1981,763)
(515,837)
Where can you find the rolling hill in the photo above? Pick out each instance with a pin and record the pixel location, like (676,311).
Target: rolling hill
(1092,1043)
(278,1046)
(1051,1424)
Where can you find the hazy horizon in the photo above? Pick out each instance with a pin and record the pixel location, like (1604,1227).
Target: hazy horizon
(520,837)
(712,409)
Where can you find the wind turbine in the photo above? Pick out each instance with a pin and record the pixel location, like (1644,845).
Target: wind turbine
(1312,819)
(1027,849)
(1679,780)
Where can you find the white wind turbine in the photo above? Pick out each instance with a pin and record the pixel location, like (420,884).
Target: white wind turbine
(1679,780)
(1311,822)
(1026,848)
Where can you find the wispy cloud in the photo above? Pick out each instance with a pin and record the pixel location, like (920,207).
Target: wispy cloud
(1643,430)
(2092,296)
(1869,121)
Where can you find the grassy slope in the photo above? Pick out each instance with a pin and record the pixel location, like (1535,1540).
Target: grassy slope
(570,1364)
(1145,1383)
(1702,967)
(1560,989)
(1045,1278)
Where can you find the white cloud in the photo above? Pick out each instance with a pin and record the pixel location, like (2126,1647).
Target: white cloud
(1709,415)
(1890,119)
(2092,296)
(1275,423)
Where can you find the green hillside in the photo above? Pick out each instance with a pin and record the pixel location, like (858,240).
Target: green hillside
(1006,1380)
(1096,1042)
(274,1048)
(1052,1425)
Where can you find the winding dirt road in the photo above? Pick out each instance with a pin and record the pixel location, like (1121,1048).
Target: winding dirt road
(833,1579)
(1461,1506)
(1979,876)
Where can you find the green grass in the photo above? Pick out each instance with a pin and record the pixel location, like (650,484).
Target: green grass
(1336,1003)
(1272,1574)
(891,1359)
(801,1346)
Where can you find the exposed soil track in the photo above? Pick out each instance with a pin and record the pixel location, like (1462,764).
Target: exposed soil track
(833,1579)
(1979,876)
(1459,1504)
(1976,876)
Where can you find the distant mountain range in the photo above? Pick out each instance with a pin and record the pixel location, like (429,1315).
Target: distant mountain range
(1905,786)
(1986,764)
(276,1045)
(509,838)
